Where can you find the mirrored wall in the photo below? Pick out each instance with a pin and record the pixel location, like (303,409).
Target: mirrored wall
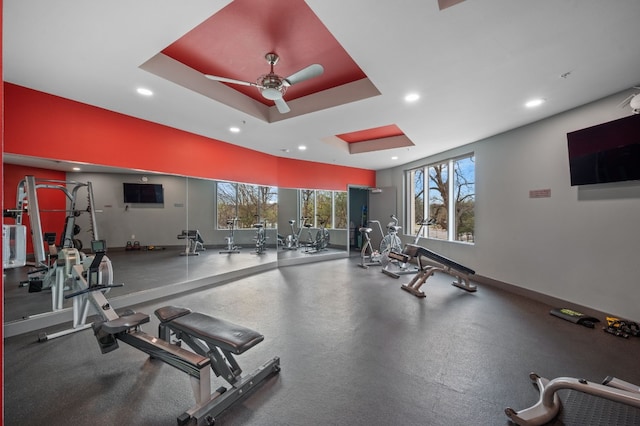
(199,233)
(313,225)
(173,242)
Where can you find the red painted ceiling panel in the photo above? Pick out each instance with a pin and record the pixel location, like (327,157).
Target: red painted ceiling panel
(232,43)
(371,134)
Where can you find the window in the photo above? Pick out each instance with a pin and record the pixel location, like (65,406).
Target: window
(327,206)
(445,193)
(249,203)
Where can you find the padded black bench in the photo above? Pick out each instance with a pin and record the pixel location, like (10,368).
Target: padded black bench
(425,270)
(218,340)
(214,331)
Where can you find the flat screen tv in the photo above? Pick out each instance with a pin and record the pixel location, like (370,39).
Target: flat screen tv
(608,152)
(144,193)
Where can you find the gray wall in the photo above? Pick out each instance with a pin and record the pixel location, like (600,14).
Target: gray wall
(581,245)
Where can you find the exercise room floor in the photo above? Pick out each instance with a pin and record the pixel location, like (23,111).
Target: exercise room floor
(355,350)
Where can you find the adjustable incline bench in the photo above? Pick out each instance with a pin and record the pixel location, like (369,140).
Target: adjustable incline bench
(425,270)
(213,342)
(194,243)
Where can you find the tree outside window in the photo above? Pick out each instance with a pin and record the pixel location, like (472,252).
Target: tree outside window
(249,203)
(328,206)
(445,193)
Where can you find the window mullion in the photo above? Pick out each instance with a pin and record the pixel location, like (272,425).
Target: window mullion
(451,208)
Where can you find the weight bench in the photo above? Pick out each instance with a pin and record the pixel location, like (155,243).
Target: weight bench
(213,342)
(425,270)
(195,242)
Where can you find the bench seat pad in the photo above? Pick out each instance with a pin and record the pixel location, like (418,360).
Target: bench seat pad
(124,323)
(224,334)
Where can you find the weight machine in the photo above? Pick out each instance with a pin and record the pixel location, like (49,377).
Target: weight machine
(53,269)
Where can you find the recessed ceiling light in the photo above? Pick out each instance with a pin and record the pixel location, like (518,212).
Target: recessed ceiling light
(234,129)
(412,97)
(302,147)
(144,92)
(76,169)
(394,157)
(534,103)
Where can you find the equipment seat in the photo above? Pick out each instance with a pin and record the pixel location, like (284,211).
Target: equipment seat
(223,334)
(124,323)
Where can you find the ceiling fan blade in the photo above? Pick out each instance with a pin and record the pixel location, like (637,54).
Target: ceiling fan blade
(304,74)
(230,80)
(626,102)
(443,4)
(282,106)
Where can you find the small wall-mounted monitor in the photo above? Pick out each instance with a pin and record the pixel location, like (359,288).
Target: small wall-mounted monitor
(149,193)
(608,152)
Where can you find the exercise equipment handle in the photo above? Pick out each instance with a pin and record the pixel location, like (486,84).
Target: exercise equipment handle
(92,288)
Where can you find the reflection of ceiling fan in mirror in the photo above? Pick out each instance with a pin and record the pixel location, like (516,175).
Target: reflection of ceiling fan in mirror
(443,4)
(271,85)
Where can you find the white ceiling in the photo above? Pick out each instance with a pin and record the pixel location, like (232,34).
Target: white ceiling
(474,65)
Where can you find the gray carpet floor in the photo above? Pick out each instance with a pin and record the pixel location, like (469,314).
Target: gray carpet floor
(355,350)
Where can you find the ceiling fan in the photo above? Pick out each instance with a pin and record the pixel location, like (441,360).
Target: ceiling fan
(271,85)
(632,101)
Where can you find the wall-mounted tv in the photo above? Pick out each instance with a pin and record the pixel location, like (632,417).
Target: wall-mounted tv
(148,193)
(608,152)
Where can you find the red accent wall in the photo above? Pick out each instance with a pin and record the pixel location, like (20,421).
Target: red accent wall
(48,199)
(43,125)
(311,175)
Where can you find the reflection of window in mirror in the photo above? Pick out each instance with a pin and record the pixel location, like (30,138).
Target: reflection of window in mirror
(329,206)
(249,203)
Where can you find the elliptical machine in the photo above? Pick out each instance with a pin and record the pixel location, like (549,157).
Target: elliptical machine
(292,242)
(231,246)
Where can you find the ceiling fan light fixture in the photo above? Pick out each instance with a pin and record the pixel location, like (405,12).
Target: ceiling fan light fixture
(271,93)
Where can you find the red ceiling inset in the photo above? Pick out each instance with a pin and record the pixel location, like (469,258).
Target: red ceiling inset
(371,134)
(233,42)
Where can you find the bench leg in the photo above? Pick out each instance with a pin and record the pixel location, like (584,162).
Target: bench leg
(414,285)
(221,401)
(463,283)
(201,386)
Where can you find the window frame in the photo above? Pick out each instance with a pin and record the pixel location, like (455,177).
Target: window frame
(454,190)
(311,197)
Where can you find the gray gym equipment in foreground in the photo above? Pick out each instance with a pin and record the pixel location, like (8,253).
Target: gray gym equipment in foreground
(548,405)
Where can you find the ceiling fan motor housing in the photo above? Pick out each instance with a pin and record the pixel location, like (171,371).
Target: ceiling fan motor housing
(271,86)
